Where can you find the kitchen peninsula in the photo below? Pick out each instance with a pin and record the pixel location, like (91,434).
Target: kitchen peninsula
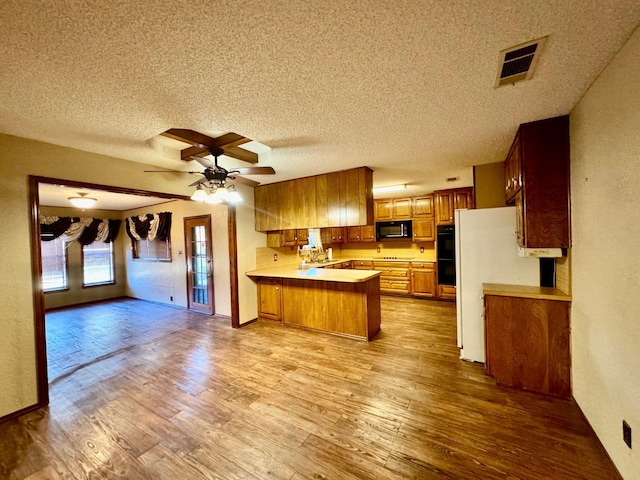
(341,302)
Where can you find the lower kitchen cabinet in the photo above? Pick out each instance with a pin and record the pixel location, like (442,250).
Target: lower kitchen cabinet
(394,277)
(528,343)
(423,279)
(447,292)
(270,298)
(362,264)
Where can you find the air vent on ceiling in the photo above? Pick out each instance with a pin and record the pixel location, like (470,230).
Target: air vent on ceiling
(517,63)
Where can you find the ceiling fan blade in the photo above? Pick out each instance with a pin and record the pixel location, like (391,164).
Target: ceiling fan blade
(205,162)
(167,171)
(254,171)
(245,181)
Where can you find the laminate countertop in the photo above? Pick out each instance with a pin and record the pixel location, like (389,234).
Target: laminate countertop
(523,291)
(318,274)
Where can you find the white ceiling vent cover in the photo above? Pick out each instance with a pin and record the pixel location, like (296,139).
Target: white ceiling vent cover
(517,63)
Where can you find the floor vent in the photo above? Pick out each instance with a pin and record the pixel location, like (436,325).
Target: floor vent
(517,63)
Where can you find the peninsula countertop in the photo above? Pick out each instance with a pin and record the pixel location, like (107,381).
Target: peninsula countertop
(318,274)
(522,291)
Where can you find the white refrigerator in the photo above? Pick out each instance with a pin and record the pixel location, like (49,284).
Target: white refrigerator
(486,252)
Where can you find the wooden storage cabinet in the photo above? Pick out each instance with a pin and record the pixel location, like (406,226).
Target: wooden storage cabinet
(447,291)
(331,200)
(537,183)
(270,298)
(394,277)
(423,279)
(393,209)
(528,343)
(424,229)
(287,238)
(365,233)
(423,206)
(446,201)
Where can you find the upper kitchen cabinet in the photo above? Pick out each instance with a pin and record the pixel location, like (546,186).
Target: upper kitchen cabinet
(423,206)
(393,209)
(335,199)
(537,183)
(446,201)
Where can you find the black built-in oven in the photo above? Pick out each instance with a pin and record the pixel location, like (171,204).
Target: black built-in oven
(446,254)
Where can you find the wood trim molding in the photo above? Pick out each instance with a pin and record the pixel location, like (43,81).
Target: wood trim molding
(233,265)
(19,413)
(42,377)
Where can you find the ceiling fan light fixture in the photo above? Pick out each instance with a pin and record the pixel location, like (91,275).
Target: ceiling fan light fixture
(82,201)
(199,195)
(234,196)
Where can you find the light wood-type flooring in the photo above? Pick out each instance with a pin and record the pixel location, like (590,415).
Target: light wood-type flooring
(143,391)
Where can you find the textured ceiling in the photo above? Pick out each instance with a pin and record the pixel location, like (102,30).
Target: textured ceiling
(405,87)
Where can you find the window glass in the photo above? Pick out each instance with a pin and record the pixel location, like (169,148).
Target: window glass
(54,265)
(97,263)
(156,250)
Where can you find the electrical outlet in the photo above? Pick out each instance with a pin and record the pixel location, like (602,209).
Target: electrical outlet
(421,249)
(378,249)
(626,433)
(275,257)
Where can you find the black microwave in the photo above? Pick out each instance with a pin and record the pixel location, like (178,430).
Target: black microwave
(396,230)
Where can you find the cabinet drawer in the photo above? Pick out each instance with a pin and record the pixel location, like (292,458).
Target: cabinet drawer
(381,265)
(394,285)
(423,265)
(446,291)
(363,265)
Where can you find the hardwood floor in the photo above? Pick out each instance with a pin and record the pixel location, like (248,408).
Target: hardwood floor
(185,396)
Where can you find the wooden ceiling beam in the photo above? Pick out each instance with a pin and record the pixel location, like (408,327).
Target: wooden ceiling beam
(200,144)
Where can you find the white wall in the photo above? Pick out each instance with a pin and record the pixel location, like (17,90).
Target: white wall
(248,241)
(605,203)
(159,281)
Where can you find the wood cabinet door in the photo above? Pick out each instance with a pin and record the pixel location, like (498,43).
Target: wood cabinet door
(444,208)
(513,170)
(423,282)
(289,238)
(383,209)
(302,236)
(463,198)
(424,229)
(402,208)
(368,233)
(337,235)
(354,234)
(270,298)
(274,239)
(423,206)
(520,218)
(325,237)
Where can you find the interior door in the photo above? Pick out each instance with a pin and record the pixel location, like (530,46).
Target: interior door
(199,264)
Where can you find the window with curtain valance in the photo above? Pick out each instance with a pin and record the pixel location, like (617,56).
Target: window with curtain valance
(84,230)
(150,236)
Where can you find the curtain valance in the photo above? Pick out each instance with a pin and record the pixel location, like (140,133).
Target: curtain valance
(149,226)
(84,230)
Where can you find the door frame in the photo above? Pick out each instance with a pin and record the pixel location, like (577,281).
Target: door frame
(187,249)
(42,378)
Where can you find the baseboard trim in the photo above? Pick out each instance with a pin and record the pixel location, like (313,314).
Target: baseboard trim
(600,445)
(86,304)
(19,413)
(254,320)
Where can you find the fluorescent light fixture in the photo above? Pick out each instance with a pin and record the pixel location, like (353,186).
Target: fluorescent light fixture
(82,201)
(389,188)
(199,195)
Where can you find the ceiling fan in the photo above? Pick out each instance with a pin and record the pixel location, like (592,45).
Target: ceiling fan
(216,176)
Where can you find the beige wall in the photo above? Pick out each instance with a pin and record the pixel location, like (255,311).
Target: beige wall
(160,281)
(488,182)
(20,158)
(605,205)
(76,293)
